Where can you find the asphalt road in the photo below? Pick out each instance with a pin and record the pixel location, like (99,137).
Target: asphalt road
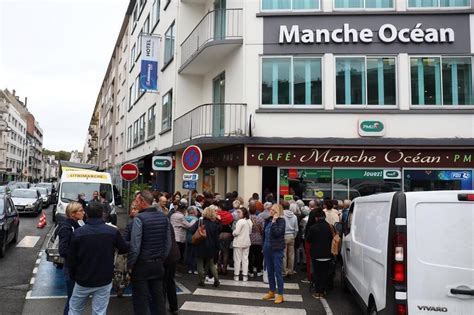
(230,297)
(17,265)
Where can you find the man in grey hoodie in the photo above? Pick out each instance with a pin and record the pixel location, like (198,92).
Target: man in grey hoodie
(291,230)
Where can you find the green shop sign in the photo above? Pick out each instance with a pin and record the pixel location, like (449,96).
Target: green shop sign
(371,128)
(162,163)
(358,174)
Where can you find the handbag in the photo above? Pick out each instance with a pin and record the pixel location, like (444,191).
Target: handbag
(200,235)
(335,243)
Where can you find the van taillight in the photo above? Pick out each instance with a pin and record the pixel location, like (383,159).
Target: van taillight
(466,197)
(402,309)
(399,259)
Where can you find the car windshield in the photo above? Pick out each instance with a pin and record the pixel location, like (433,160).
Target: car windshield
(45,185)
(3,189)
(24,193)
(70,191)
(21,185)
(42,190)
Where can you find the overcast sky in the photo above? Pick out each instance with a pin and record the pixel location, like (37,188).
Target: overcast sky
(56,52)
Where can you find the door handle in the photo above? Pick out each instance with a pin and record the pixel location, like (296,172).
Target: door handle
(462,291)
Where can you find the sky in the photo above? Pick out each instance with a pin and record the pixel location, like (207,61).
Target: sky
(56,53)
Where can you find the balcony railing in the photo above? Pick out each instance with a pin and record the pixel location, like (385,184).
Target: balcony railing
(217,25)
(211,120)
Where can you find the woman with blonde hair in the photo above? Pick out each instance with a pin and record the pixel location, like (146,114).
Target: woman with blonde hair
(208,248)
(74,214)
(273,248)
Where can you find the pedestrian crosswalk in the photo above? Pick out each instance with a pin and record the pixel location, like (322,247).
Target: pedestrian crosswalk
(238,297)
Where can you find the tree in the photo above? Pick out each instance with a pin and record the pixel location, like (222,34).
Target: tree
(59,155)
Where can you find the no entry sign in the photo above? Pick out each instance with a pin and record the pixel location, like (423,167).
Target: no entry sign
(192,158)
(129,172)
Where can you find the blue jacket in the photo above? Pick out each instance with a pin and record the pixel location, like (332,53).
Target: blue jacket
(65,230)
(92,251)
(150,238)
(277,239)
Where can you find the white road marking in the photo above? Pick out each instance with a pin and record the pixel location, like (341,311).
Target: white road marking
(238,309)
(326,306)
(28,241)
(35,270)
(38,261)
(254,284)
(32,281)
(244,295)
(40,254)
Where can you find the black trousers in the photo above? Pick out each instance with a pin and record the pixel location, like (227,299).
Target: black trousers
(147,287)
(255,258)
(169,286)
(320,275)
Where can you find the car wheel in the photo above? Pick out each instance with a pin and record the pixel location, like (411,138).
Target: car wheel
(3,247)
(372,310)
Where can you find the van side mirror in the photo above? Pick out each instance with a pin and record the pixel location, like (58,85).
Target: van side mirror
(339,227)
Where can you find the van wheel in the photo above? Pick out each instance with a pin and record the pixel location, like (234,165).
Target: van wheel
(372,310)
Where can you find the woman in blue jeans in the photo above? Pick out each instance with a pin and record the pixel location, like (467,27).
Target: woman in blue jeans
(273,248)
(74,213)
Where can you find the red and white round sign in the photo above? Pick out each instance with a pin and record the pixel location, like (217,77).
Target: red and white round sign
(129,172)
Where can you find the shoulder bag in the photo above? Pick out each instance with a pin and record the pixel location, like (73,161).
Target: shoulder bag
(200,235)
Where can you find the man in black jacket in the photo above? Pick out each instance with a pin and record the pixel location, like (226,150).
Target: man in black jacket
(320,238)
(91,261)
(150,244)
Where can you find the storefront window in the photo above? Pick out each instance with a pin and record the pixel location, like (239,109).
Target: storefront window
(306,184)
(351,75)
(284,77)
(369,4)
(438,3)
(441,81)
(352,183)
(428,180)
(290,4)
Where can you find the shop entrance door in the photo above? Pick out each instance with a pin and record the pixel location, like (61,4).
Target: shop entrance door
(218,110)
(219,19)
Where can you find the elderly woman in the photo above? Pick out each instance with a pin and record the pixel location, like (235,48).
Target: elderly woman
(291,231)
(241,234)
(75,214)
(180,225)
(207,249)
(273,247)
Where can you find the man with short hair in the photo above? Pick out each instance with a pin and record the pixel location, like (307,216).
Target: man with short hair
(91,261)
(107,208)
(149,246)
(95,196)
(162,205)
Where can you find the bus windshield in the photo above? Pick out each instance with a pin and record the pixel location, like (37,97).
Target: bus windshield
(71,190)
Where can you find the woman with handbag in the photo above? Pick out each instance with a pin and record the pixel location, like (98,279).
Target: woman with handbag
(256,255)
(273,247)
(206,244)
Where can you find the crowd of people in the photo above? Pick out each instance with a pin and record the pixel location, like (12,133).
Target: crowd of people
(211,236)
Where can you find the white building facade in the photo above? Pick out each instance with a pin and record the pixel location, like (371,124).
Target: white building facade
(313,98)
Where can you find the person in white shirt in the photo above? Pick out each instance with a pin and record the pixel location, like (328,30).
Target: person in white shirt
(242,243)
(332,215)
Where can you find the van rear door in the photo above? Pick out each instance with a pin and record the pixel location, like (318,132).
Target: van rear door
(440,258)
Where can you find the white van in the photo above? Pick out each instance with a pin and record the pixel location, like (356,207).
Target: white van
(411,253)
(75,181)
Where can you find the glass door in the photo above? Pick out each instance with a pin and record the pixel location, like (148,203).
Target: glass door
(219,19)
(218,110)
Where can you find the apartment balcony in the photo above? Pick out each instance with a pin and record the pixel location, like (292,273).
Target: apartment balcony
(211,121)
(216,35)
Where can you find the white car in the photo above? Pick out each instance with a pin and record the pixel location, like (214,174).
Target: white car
(45,195)
(411,253)
(27,200)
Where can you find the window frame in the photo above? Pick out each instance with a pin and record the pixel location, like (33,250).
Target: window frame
(151,109)
(170,60)
(444,107)
(154,15)
(292,105)
(141,128)
(130,137)
(438,7)
(364,8)
(291,9)
(135,133)
(170,115)
(367,106)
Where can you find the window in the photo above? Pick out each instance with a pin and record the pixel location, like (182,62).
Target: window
(166,111)
(367,4)
(135,132)
(141,125)
(290,4)
(167,4)
(146,25)
(156,12)
(438,3)
(365,81)
(169,44)
(131,96)
(291,81)
(138,91)
(130,137)
(151,121)
(441,81)
(133,55)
